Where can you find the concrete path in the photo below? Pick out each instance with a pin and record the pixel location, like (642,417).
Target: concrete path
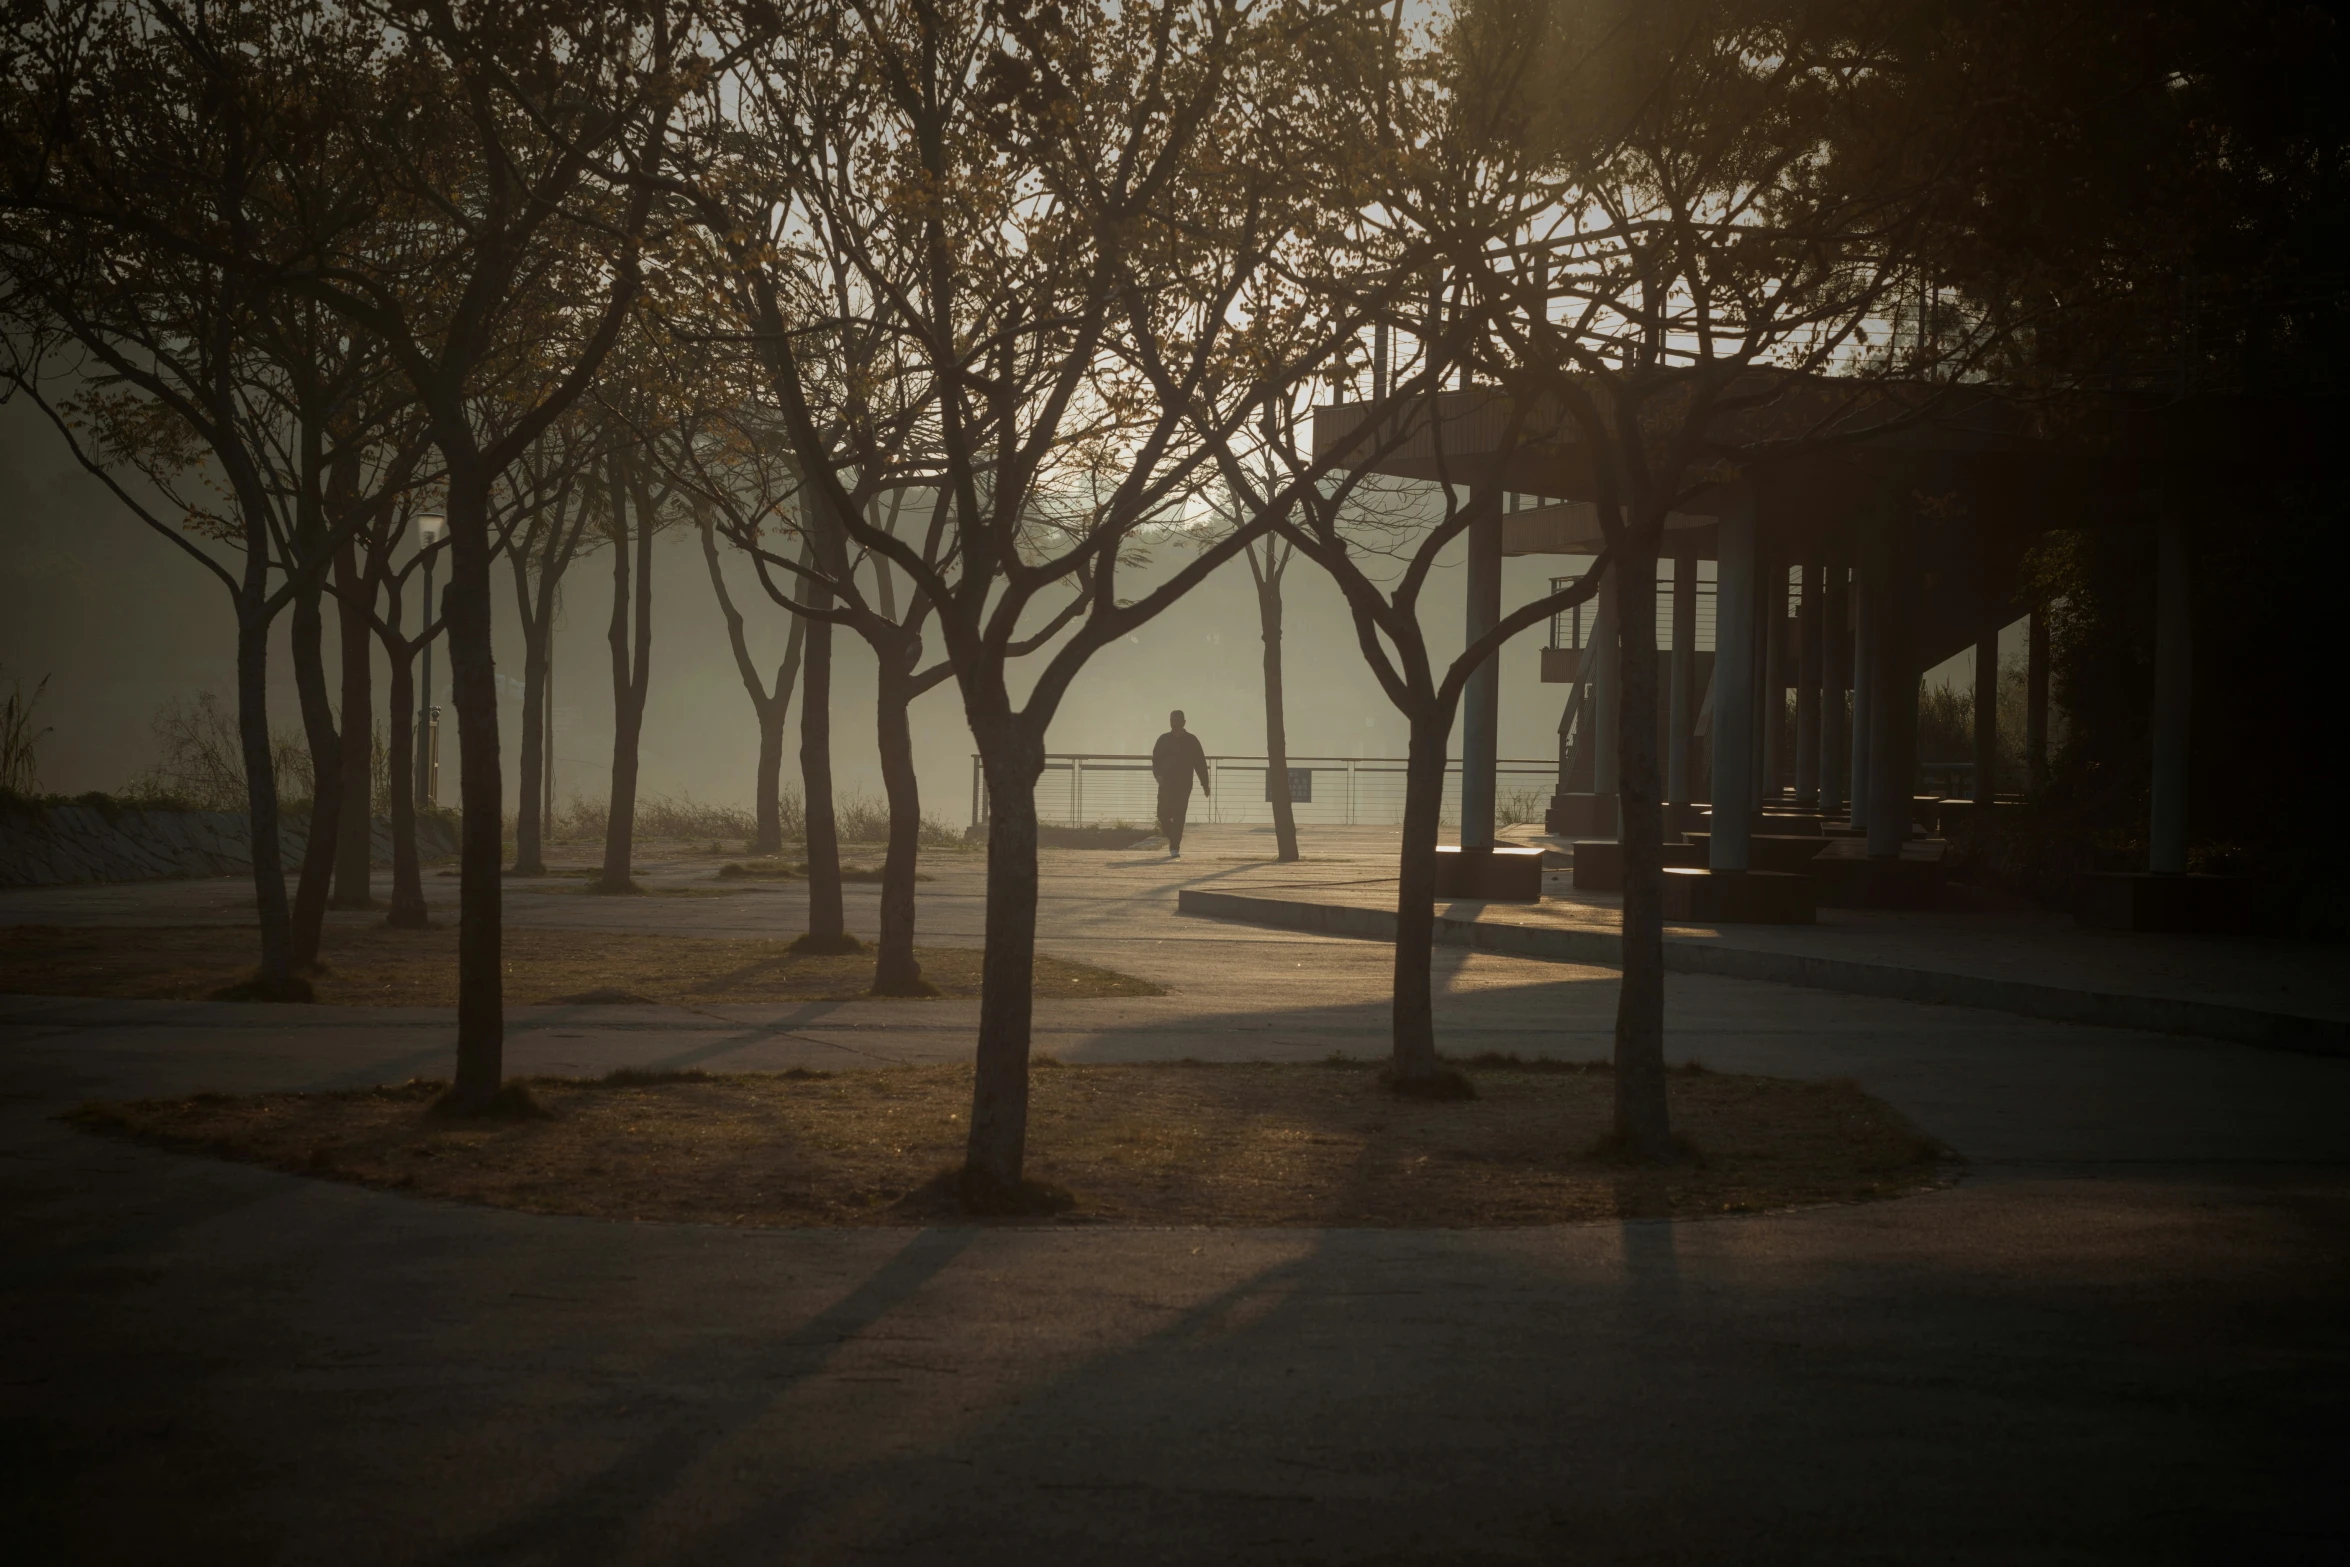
(2007,956)
(2124,1337)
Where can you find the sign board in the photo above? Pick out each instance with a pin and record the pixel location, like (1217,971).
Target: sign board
(1301,785)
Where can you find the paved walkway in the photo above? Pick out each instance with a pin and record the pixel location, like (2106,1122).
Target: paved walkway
(2006,955)
(2121,1338)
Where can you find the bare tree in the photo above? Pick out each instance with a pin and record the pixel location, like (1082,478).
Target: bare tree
(771,705)
(546,507)
(1386,264)
(1268,561)
(135,142)
(517,129)
(385,590)
(739,485)
(1717,271)
(1377,546)
(634,517)
(943,232)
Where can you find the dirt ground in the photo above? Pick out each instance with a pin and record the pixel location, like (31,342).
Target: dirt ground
(1184,1143)
(371,965)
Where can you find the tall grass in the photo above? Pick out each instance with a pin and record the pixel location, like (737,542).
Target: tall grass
(1512,806)
(203,763)
(1946,724)
(20,742)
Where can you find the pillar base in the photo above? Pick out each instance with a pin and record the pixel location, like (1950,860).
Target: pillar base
(1581,816)
(1599,862)
(1494,874)
(1773,821)
(1686,817)
(1695,896)
(1789,854)
(1848,879)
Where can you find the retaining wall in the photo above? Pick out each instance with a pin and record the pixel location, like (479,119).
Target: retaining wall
(49,845)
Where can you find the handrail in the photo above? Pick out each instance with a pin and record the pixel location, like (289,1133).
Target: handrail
(1069,769)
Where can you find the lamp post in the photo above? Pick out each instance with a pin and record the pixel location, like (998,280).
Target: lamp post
(429,531)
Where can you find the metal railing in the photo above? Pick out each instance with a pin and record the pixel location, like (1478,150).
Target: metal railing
(1083,788)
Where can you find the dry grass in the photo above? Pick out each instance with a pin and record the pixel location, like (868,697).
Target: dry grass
(1156,1144)
(796,870)
(1120,835)
(371,965)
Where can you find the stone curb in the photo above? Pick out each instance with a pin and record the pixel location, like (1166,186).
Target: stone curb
(2054,1003)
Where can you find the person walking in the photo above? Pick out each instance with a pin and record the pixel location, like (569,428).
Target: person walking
(1174,761)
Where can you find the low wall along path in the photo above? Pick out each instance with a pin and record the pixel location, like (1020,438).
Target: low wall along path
(48,845)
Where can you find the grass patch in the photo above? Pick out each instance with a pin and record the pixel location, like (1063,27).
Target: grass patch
(796,870)
(372,965)
(1253,1144)
(635,889)
(763,870)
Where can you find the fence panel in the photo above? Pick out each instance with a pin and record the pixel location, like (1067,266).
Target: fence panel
(1083,789)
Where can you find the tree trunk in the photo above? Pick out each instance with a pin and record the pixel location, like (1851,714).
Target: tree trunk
(473,691)
(896,973)
(354,849)
(767,787)
(828,929)
(408,911)
(2036,702)
(1276,720)
(530,817)
(324,829)
(631,677)
(535,608)
(1012,760)
(276,980)
(1643,1128)
(1415,907)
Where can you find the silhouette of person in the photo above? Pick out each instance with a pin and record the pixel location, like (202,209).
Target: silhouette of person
(1174,762)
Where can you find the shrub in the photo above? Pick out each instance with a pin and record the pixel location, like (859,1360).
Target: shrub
(203,765)
(20,766)
(1512,806)
(860,818)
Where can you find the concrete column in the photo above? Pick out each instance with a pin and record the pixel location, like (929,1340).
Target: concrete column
(2174,626)
(1481,697)
(1809,666)
(1986,707)
(1734,679)
(1682,715)
(1864,683)
(1892,696)
(2036,702)
(1835,674)
(1773,711)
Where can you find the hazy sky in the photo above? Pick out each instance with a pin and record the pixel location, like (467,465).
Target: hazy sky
(120,621)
